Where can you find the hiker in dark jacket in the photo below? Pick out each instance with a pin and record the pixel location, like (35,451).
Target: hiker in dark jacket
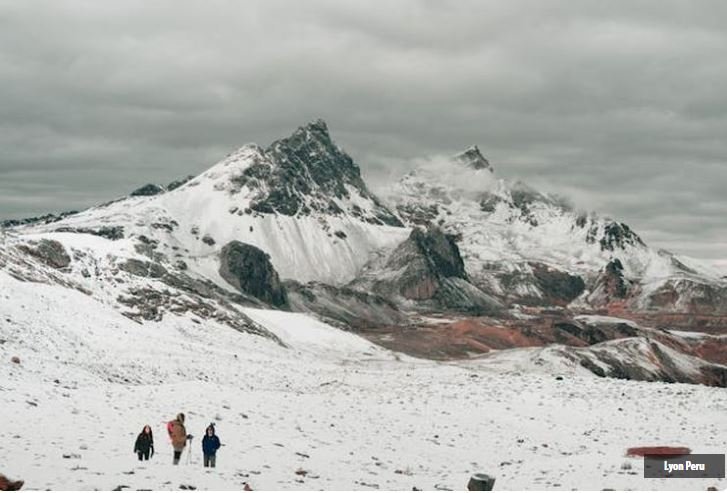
(144,445)
(210,444)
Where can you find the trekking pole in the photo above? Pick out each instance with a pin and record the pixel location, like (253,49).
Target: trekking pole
(189,452)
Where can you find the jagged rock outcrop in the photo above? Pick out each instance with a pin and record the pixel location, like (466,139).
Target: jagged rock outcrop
(308,172)
(473,158)
(615,236)
(611,285)
(178,183)
(148,190)
(248,268)
(428,268)
(50,252)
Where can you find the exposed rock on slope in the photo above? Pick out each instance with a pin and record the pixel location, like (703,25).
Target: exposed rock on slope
(473,158)
(423,261)
(427,268)
(344,307)
(611,285)
(249,269)
(307,172)
(147,190)
(50,252)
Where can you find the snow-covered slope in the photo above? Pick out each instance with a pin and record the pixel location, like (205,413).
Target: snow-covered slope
(323,410)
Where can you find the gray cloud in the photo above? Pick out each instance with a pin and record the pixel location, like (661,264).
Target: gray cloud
(618,105)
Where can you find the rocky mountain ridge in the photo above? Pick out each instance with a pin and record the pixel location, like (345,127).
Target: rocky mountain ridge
(294,227)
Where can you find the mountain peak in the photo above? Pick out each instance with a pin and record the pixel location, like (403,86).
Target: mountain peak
(473,158)
(315,129)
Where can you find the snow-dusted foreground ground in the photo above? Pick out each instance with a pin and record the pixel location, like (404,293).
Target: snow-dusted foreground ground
(338,411)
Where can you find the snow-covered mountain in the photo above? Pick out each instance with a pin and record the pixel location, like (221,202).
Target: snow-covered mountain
(302,201)
(533,248)
(294,227)
(275,294)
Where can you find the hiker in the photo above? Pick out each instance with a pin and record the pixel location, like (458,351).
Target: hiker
(144,444)
(210,444)
(178,436)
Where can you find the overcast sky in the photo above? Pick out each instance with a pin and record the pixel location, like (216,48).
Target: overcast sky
(620,106)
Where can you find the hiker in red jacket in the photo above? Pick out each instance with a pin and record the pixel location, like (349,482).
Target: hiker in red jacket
(178,436)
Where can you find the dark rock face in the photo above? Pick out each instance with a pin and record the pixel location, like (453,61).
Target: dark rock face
(305,172)
(473,158)
(108,232)
(428,268)
(615,236)
(611,285)
(50,252)
(557,286)
(249,269)
(426,257)
(147,190)
(441,252)
(178,183)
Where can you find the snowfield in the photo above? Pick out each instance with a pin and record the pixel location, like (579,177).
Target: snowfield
(328,410)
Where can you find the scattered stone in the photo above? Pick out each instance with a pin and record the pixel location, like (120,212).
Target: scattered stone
(208,240)
(15,360)
(301,472)
(7,485)
(481,482)
(559,377)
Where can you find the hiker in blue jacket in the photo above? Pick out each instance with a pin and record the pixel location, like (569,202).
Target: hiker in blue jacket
(210,444)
